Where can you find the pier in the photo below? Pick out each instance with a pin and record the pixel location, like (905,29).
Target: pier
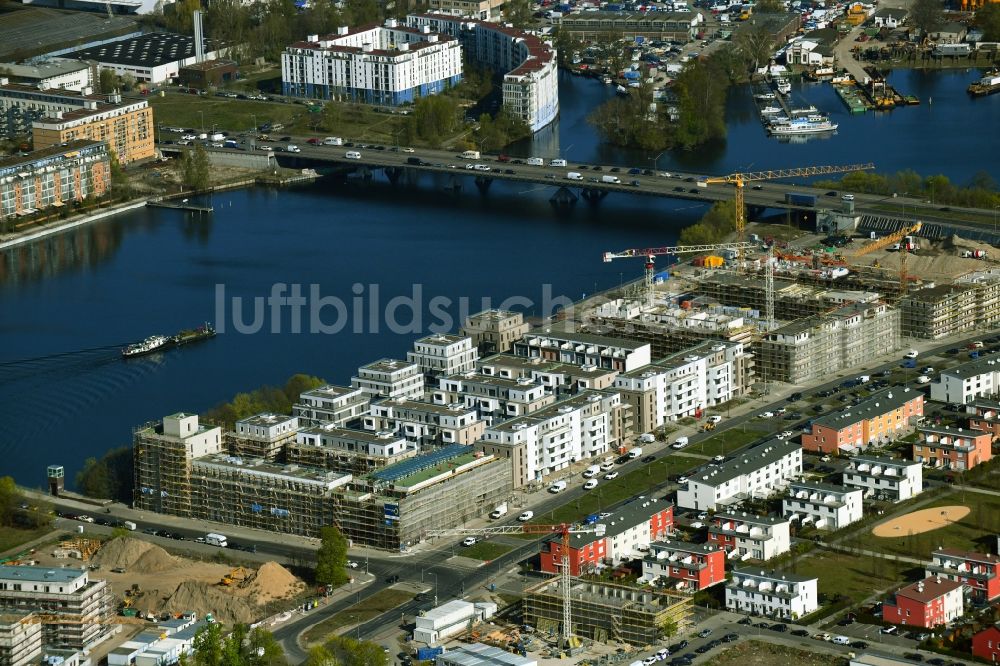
(180,205)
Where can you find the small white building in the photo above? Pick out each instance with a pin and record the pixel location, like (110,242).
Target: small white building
(153,58)
(771,594)
(888,479)
(755,472)
(390,378)
(746,536)
(442,354)
(964,383)
(824,505)
(450,619)
(890,18)
(62,73)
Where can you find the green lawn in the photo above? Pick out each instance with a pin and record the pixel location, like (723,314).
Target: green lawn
(196,111)
(11,538)
(626,486)
(726,442)
(970,533)
(372,607)
(857,577)
(485,550)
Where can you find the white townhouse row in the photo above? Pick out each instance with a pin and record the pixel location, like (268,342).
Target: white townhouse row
(824,505)
(756,472)
(771,594)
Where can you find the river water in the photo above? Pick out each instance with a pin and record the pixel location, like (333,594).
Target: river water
(67,303)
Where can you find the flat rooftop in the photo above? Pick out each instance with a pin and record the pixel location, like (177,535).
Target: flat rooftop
(388,365)
(150,50)
(41,574)
(43,69)
(45,153)
(351,434)
(427,407)
(332,392)
(551,411)
(27,30)
(564,333)
(266,420)
(260,467)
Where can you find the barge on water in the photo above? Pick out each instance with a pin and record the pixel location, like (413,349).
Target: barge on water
(155,343)
(987,85)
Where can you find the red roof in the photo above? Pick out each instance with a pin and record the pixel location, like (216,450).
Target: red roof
(928,589)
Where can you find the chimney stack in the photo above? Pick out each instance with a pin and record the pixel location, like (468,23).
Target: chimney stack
(199,41)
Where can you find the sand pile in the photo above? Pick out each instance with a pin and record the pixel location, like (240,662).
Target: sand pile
(202,598)
(135,556)
(270,581)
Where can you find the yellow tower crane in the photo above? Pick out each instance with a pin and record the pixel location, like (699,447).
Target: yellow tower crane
(886,241)
(741,178)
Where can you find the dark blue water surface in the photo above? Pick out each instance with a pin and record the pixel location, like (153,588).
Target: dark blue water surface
(68,302)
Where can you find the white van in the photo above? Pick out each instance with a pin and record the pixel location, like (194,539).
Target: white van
(535,161)
(574,175)
(352,155)
(647,438)
(591,471)
(557,163)
(481,167)
(634,453)
(333,141)
(471,155)
(679,443)
(557,487)
(840,640)
(607,465)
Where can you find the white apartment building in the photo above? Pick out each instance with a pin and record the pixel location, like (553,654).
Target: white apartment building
(163,453)
(746,536)
(529,64)
(569,346)
(425,423)
(62,73)
(888,479)
(681,384)
(493,398)
(964,383)
(565,432)
(392,65)
(824,505)
(20,638)
(756,472)
(444,355)
(263,435)
(65,591)
(557,378)
(360,442)
(339,405)
(771,594)
(390,378)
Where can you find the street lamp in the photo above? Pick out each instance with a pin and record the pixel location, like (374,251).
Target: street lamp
(432,573)
(656,159)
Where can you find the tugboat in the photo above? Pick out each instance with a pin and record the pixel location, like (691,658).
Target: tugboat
(784,87)
(147,346)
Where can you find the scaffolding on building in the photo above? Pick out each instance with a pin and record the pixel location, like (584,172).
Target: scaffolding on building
(629,615)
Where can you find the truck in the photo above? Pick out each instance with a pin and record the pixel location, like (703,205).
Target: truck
(611,179)
(574,175)
(471,155)
(647,438)
(800,199)
(213,539)
(535,161)
(129,525)
(333,141)
(217,136)
(635,453)
(499,512)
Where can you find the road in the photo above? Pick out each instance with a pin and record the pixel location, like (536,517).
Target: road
(650,183)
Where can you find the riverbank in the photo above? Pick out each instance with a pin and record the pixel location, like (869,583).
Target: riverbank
(49,228)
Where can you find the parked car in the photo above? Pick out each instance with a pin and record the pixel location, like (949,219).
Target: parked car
(610,475)
(526,516)
(890,630)
(469,541)
(704,633)
(766,415)
(590,485)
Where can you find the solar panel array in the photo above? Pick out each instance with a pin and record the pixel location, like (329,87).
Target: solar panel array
(403,469)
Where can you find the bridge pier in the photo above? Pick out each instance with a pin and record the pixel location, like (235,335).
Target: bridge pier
(483,183)
(454,185)
(393,174)
(592,196)
(563,198)
(754,211)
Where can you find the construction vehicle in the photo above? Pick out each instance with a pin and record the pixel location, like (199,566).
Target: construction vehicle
(565,577)
(235,576)
(741,178)
(904,250)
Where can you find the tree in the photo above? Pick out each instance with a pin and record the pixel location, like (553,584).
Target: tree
(754,44)
(367,653)
(108,81)
(927,15)
(769,7)
(9,499)
(195,168)
(669,628)
(331,558)
(242,647)
(518,13)
(987,19)
(320,656)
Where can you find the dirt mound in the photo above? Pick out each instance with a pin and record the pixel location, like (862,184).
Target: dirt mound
(202,598)
(135,556)
(271,581)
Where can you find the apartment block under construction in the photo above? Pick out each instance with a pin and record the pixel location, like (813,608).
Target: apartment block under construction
(604,612)
(187,469)
(818,346)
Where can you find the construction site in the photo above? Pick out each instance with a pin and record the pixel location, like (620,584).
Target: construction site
(812,304)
